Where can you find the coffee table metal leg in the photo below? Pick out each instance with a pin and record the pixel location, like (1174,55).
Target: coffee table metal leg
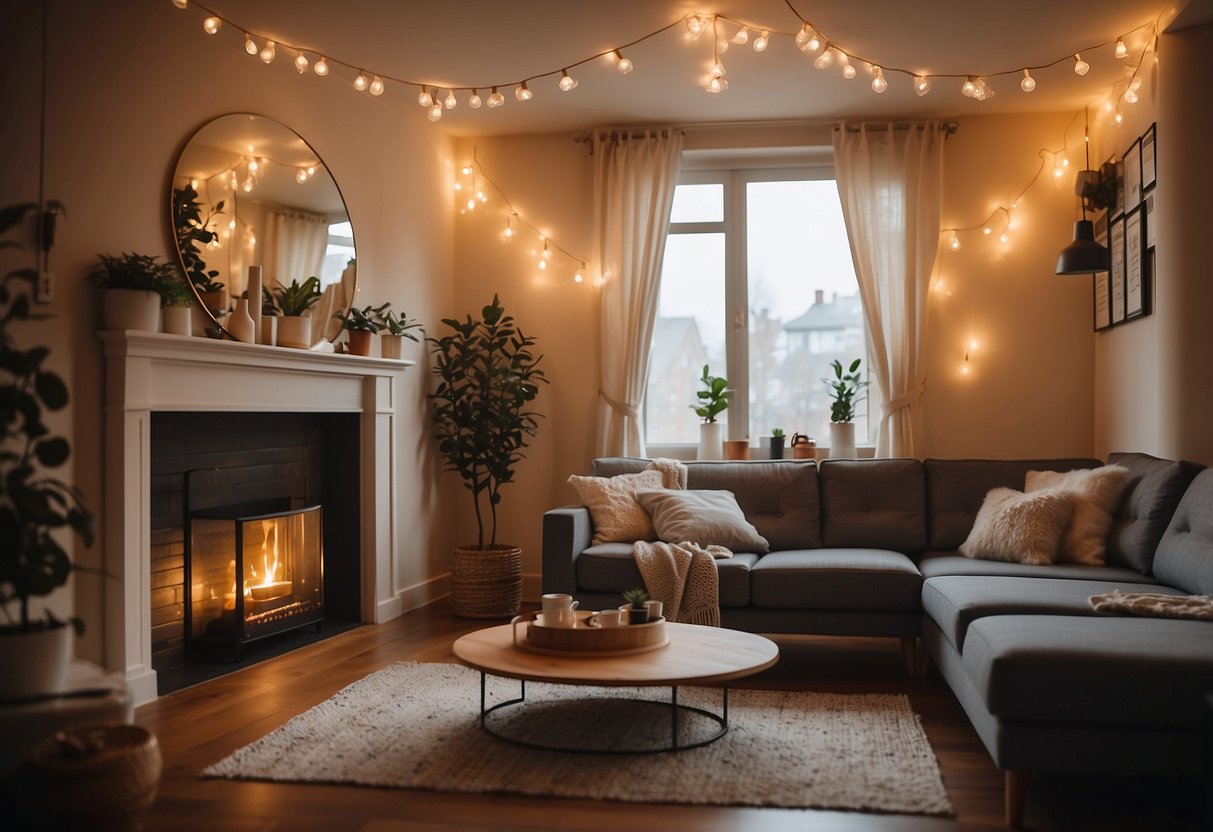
(484,710)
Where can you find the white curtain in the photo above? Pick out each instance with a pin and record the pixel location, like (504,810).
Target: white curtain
(890,180)
(294,246)
(634,179)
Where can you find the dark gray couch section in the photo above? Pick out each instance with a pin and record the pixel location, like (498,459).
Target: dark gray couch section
(1154,492)
(873,506)
(935,564)
(836,579)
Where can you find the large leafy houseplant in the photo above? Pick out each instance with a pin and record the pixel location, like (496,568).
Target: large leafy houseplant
(34,505)
(193,234)
(488,378)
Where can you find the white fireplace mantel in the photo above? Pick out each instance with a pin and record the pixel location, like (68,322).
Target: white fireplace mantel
(147,372)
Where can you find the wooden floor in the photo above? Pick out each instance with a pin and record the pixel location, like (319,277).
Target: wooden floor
(202,724)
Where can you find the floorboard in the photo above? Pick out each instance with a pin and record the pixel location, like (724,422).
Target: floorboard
(199,725)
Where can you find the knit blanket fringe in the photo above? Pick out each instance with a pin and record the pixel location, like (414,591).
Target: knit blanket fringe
(683,577)
(1154,604)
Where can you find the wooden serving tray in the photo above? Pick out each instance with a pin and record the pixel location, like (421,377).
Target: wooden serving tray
(586,642)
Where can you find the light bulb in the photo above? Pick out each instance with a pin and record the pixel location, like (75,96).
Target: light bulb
(1121,49)
(522,92)
(376,87)
(509,228)
(424,98)
(805,36)
(742,37)
(482,196)
(825,59)
(471,205)
(1004,238)
(268,52)
(249,46)
(567,82)
(922,85)
(474,100)
(1028,83)
(716,84)
(762,42)
(848,71)
(194,183)
(450,101)
(1081,67)
(435,112)
(211,25)
(466,170)
(253,165)
(955,244)
(1130,96)
(361,82)
(722,46)
(1119,117)
(577,278)
(546,254)
(458,186)
(987,231)
(879,84)
(181,4)
(1135,84)
(248,185)
(300,63)
(321,67)
(311,170)
(968,87)
(496,99)
(301,176)
(624,65)
(696,25)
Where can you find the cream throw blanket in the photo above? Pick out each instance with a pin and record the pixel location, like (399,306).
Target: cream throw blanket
(1154,604)
(683,578)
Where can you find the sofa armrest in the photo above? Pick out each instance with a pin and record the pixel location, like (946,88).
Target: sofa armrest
(566,531)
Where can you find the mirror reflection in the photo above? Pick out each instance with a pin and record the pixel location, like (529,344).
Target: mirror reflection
(250,191)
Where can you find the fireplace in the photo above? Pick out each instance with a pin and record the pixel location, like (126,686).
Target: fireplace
(252,570)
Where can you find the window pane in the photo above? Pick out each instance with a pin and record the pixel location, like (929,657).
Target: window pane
(698,203)
(689,333)
(804,307)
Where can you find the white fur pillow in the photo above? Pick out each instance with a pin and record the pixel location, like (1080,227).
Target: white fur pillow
(618,518)
(1097,493)
(704,517)
(1018,527)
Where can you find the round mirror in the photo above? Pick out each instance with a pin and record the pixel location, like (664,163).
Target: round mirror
(249,191)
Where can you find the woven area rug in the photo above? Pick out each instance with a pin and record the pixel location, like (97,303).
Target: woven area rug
(416,726)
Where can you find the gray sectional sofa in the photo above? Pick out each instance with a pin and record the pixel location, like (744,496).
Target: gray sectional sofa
(869,548)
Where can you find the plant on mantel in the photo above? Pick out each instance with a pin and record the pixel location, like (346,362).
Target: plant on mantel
(35,506)
(360,325)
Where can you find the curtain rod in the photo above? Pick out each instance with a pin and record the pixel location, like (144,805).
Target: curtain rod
(949,127)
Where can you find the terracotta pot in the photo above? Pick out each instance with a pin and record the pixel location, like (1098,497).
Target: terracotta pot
(736,449)
(359,341)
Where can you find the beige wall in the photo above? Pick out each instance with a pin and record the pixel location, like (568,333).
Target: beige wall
(128,83)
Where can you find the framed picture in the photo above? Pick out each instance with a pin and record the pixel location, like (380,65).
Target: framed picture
(1132,160)
(1135,264)
(1116,168)
(1116,237)
(1148,202)
(1101,286)
(1149,159)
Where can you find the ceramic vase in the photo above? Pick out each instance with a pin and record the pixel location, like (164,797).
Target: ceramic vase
(295,331)
(842,440)
(178,320)
(254,300)
(710,444)
(240,324)
(268,334)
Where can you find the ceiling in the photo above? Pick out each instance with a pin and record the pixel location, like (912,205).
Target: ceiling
(466,43)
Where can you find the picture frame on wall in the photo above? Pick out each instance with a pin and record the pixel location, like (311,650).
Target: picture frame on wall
(1100,282)
(1149,159)
(1132,162)
(1116,168)
(1135,264)
(1116,241)
(1151,225)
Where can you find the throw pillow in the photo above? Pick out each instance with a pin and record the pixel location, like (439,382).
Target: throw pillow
(708,518)
(1018,527)
(617,517)
(1097,493)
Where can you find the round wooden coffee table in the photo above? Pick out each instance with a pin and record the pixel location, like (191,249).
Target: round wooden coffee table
(696,655)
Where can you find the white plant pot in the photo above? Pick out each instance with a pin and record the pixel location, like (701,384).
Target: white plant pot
(711,445)
(178,320)
(842,440)
(295,331)
(35,662)
(269,330)
(390,346)
(130,309)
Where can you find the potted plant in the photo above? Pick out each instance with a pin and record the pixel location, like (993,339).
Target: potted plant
(713,399)
(193,234)
(35,646)
(131,286)
(294,301)
(776,442)
(488,379)
(359,326)
(394,330)
(634,607)
(177,300)
(846,391)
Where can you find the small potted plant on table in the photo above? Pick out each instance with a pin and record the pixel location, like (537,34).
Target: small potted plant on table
(177,299)
(393,331)
(360,326)
(294,301)
(776,442)
(846,389)
(131,286)
(635,607)
(713,400)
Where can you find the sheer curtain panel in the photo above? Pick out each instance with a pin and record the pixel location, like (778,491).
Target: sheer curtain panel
(890,180)
(634,178)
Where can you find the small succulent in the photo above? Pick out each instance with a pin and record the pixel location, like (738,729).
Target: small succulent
(636,597)
(777,433)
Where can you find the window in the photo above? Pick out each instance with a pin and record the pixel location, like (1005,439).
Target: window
(758,283)
(337,253)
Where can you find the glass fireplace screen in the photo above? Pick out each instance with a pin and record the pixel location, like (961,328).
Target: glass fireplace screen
(252,570)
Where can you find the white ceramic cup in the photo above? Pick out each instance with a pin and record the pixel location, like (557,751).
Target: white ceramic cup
(605,619)
(655,609)
(559,610)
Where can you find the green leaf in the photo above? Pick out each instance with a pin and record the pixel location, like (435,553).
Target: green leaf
(51,389)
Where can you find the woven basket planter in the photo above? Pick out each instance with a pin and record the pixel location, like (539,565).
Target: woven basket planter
(486,583)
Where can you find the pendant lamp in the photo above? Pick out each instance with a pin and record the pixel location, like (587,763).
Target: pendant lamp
(1084,255)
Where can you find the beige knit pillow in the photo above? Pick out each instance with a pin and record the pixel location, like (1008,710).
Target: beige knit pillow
(1097,493)
(618,518)
(1018,527)
(709,518)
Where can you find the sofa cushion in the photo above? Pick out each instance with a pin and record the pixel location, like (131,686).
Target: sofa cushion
(836,579)
(1019,527)
(610,567)
(618,516)
(873,504)
(1155,488)
(708,518)
(954,602)
(936,564)
(1097,494)
(1097,670)
(956,488)
(1185,553)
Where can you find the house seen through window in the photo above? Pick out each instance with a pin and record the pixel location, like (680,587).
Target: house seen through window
(757,283)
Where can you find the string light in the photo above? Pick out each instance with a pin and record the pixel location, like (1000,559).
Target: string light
(523,93)
(474,100)
(1028,83)
(879,84)
(249,46)
(496,99)
(361,82)
(424,98)
(1121,50)
(762,41)
(624,65)
(181,4)
(321,67)
(1081,67)
(211,25)
(376,87)
(268,52)
(741,38)
(922,85)
(848,69)
(567,82)
(435,112)
(450,102)
(301,63)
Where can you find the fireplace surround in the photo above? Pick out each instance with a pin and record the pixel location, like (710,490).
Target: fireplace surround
(152,372)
